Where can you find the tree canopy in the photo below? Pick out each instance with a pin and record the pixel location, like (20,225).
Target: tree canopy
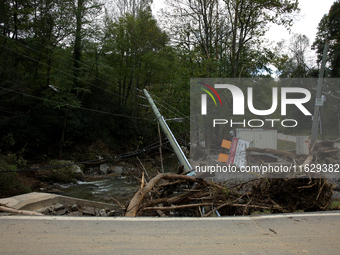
(71,72)
(329,32)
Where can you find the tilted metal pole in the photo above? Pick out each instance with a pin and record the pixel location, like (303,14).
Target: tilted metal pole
(318,95)
(179,153)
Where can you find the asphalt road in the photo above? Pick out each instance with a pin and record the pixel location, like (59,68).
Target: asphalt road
(317,233)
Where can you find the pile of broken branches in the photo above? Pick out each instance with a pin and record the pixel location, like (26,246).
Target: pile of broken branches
(181,195)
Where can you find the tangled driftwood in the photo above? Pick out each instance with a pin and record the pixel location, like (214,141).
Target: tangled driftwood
(143,191)
(180,195)
(197,197)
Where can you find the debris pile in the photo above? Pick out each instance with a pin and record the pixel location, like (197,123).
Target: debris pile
(326,152)
(59,209)
(180,195)
(78,210)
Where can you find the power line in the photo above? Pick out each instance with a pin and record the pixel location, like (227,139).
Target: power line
(185,117)
(74,106)
(60,102)
(70,75)
(117,157)
(78,61)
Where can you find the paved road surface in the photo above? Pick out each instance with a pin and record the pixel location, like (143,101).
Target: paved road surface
(274,234)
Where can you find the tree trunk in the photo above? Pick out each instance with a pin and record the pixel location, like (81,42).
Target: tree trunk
(77,43)
(62,140)
(138,197)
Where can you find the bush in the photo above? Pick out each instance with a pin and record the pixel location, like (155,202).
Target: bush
(9,182)
(60,174)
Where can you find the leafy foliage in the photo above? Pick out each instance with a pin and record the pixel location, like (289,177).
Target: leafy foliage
(71,72)
(329,31)
(10,184)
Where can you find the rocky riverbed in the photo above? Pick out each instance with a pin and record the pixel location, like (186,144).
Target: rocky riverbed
(78,210)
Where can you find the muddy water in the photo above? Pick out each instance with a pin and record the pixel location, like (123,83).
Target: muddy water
(102,189)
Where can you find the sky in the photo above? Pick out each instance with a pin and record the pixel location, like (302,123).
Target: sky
(311,12)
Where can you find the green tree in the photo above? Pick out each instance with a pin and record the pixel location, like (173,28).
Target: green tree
(219,36)
(36,43)
(133,47)
(292,60)
(60,55)
(329,31)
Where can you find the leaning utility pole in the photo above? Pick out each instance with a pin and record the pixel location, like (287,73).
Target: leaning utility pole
(318,95)
(179,153)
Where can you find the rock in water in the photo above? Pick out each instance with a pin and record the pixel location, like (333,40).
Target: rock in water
(103,169)
(78,173)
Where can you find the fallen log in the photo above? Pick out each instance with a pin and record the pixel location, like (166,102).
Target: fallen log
(155,202)
(176,199)
(331,151)
(170,183)
(23,212)
(133,206)
(307,161)
(132,209)
(179,198)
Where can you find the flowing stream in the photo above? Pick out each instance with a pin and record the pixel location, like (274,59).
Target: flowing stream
(102,189)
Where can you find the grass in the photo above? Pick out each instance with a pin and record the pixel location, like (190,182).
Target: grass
(331,135)
(285,145)
(60,174)
(335,205)
(10,184)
